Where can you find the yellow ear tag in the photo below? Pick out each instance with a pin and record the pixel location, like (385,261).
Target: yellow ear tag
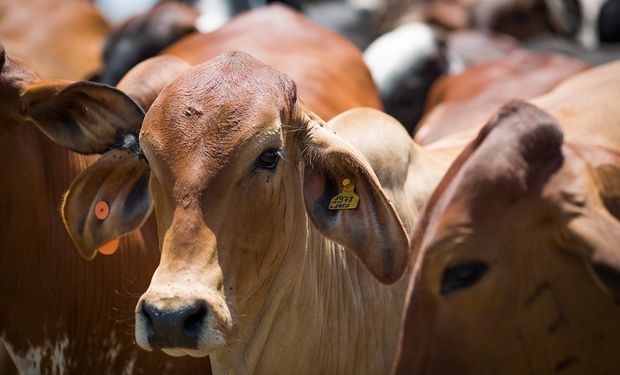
(347,200)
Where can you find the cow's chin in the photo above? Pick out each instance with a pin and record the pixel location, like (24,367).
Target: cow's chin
(206,345)
(196,353)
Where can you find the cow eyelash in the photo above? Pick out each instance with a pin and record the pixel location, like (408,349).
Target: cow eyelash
(268,160)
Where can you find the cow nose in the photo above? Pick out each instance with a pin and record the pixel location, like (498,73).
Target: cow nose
(178,328)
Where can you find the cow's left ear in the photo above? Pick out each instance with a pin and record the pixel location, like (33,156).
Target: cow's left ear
(86,117)
(345,201)
(107,200)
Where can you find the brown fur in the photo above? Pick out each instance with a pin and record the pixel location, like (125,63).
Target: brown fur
(55,300)
(329,71)
(540,215)
(61,39)
(467,99)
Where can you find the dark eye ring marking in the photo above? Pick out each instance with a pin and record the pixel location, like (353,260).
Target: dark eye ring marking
(462,275)
(268,160)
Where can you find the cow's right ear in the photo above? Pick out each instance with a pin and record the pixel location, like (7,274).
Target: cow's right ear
(107,200)
(86,117)
(346,203)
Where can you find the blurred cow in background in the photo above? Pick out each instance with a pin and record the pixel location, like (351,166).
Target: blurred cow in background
(144,36)
(516,259)
(63,314)
(467,99)
(61,39)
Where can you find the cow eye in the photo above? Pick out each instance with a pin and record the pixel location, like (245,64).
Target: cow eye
(462,275)
(268,159)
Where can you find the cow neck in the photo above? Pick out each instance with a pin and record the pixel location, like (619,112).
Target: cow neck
(323,304)
(311,306)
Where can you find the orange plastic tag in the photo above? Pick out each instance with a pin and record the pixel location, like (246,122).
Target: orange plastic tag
(102,210)
(109,248)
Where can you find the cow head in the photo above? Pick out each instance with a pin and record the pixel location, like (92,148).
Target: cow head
(241,176)
(517,264)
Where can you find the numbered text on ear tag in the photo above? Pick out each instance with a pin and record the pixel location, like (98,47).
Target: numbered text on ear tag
(347,199)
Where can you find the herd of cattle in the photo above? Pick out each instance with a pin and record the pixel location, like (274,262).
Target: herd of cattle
(272,200)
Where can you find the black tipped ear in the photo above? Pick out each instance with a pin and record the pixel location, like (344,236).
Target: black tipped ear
(85,117)
(108,199)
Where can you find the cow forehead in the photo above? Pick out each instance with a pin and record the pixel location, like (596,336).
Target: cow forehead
(230,97)
(202,116)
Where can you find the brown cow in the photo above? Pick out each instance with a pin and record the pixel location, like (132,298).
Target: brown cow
(465,100)
(562,102)
(329,71)
(516,260)
(52,106)
(61,39)
(253,270)
(60,313)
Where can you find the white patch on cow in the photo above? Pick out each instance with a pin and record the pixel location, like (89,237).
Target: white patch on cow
(213,14)
(587,35)
(30,361)
(130,366)
(369,5)
(114,348)
(117,11)
(58,356)
(391,56)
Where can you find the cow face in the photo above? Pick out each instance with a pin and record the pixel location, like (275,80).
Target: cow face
(235,163)
(241,177)
(518,265)
(220,172)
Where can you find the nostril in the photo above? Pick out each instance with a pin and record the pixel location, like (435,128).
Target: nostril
(195,320)
(147,311)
